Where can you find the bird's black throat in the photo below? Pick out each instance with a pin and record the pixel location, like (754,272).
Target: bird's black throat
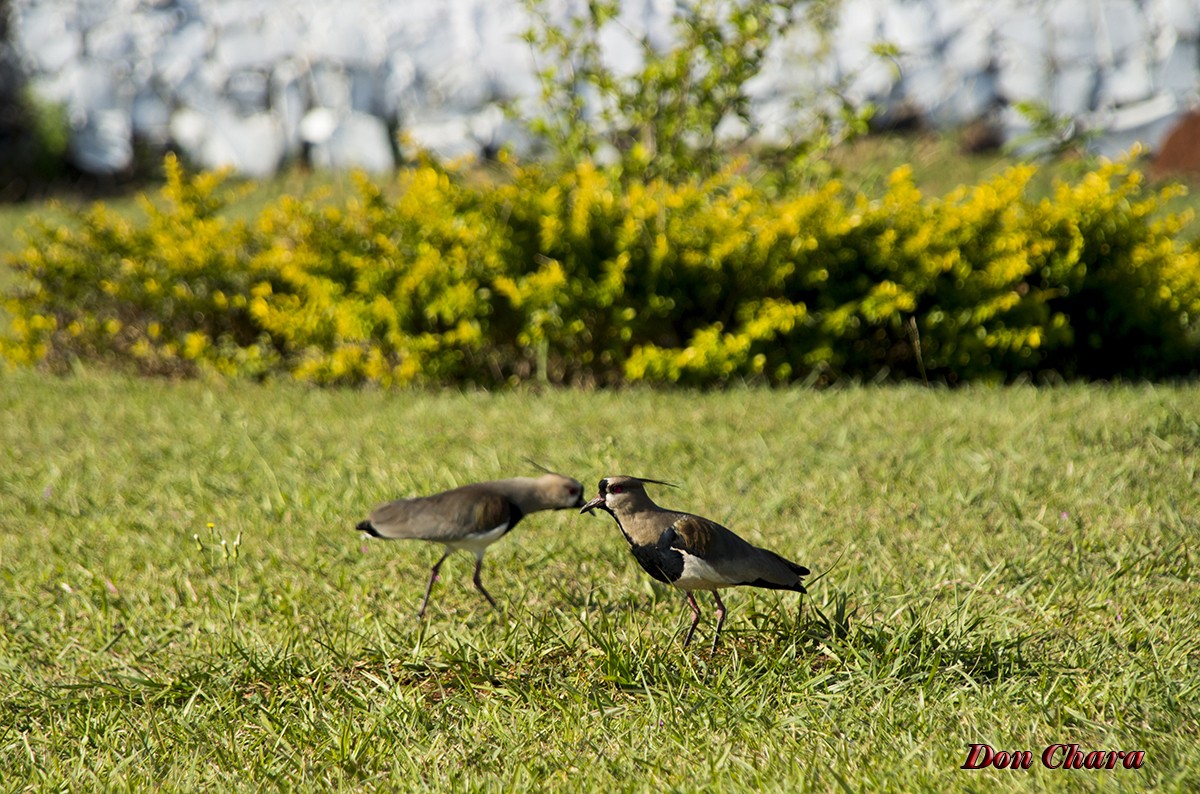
(515,514)
(665,565)
(662,562)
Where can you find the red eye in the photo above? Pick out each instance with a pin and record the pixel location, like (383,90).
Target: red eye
(616,489)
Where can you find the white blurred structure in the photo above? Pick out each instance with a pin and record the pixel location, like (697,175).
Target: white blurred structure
(252,83)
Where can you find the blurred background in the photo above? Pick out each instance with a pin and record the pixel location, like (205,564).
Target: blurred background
(102,88)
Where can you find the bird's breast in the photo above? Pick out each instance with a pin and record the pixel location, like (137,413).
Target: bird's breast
(665,565)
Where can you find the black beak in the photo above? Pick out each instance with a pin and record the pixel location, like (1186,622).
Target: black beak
(592,505)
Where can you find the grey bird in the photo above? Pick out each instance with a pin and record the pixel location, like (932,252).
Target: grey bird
(471,517)
(688,551)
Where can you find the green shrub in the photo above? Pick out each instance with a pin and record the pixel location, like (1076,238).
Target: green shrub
(585,277)
(685,106)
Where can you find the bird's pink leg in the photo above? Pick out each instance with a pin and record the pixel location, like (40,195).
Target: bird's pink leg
(691,599)
(720,619)
(429,587)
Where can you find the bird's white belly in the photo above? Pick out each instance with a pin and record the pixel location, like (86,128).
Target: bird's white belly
(698,574)
(477,543)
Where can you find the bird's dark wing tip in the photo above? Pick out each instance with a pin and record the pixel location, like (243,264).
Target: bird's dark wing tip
(369,528)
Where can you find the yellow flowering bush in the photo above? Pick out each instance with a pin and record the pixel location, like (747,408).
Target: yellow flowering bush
(382,291)
(160,295)
(581,277)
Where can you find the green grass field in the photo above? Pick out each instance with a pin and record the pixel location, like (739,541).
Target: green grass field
(1013,567)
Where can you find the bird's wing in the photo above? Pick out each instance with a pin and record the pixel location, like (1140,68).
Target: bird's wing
(451,515)
(696,536)
(729,555)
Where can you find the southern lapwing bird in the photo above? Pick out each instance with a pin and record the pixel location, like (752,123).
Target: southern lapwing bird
(690,552)
(472,517)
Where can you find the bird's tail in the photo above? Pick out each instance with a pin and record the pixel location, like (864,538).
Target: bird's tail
(369,528)
(800,572)
(796,586)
